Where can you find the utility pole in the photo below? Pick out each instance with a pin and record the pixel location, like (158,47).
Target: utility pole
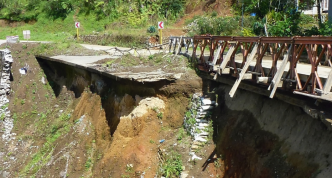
(330,12)
(319,8)
(242,13)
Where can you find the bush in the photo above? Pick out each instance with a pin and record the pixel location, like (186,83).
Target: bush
(224,26)
(152,29)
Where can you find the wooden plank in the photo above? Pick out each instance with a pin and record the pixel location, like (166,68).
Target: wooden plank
(247,76)
(263,79)
(216,56)
(175,41)
(170,45)
(277,78)
(327,96)
(243,72)
(226,71)
(227,58)
(328,83)
(179,47)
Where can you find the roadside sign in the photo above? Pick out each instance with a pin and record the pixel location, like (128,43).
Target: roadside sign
(160,25)
(26,34)
(77,25)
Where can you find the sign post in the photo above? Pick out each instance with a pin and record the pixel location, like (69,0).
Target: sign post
(26,35)
(161,27)
(77,26)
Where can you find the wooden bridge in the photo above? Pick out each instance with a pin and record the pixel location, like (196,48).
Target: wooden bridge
(301,65)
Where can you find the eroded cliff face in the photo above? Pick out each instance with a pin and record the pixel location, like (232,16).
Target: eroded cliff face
(260,137)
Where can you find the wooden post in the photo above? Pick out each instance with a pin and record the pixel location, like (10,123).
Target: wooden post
(216,56)
(161,36)
(179,47)
(277,78)
(78,37)
(243,72)
(227,58)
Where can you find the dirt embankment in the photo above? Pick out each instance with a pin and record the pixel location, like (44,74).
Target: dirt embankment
(64,130)
(260,137)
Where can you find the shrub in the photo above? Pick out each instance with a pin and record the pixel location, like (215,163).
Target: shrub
(152,29)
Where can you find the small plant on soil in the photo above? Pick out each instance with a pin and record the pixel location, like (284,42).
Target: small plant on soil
(151,141)
(65,117)
(2,117)
(194,161)
(160,115)
(209,129)
(155,109)
(5,106)
(181,134)
(217,163)
(88,163)
(173,165)
(22,102)
(151,57)
(129,168)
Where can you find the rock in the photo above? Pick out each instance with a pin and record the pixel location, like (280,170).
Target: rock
(184,174)
(207,101)
(194,147)
(201,121)
(206,108)
(5,174)
(62,174)
(199,138)
(43,80)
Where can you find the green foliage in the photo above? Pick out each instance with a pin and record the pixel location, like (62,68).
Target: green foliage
(152,29)
(5,106)
(326,29)
(190,120)
(135,13)
(287,23)
(88,163)
(181,134)
(160,115)
(247,32)
(173,165)
(224,26)
(2,117)
(263,7)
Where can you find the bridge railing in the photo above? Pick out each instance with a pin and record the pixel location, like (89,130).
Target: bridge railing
(223,58)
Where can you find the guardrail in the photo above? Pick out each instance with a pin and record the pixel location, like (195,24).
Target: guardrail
(284,54)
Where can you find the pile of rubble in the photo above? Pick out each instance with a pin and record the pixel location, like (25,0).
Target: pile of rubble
(197,122)
(6,122)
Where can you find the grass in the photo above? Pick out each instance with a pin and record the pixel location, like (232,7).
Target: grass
(5,106)
(58,127)
(88,163)
(181,134)
(58,30)
(2,117)
(172,166)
